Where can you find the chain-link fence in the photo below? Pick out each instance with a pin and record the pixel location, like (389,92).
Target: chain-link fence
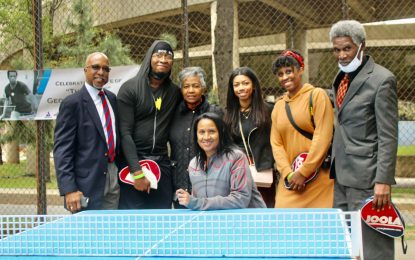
(125,29)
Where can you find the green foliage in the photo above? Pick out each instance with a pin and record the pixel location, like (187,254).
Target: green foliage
(17,130)
(170,38)
(406,110)
(84,39)
(16,24)
(213,97)
(25,132)
(16,176)
(14,15)
(76,46)
(20,63)
(117,53)
(16,32)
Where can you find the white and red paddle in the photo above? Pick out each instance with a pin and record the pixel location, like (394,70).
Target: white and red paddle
(297,163)
(150,169)
(387,221)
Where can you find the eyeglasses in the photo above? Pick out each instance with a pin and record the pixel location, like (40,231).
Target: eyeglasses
(97,67)
(160,56)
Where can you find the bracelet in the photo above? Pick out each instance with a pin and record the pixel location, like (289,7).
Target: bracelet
(290,176)
(139,176)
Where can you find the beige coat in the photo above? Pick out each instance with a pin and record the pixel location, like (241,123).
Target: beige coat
(287,143)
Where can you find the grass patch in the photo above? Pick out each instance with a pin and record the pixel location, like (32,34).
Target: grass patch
(406,150)
(25,183)
(403,192)
(16,176)
(13,170)
(410,232)
(13,225)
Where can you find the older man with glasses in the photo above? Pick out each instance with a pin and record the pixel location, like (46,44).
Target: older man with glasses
(86,142)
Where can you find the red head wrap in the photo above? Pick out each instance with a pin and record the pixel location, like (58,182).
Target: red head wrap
(297,57)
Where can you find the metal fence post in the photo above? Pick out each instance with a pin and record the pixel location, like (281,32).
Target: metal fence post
(40,125)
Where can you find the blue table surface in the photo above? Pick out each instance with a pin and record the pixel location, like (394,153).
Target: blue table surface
(171,243)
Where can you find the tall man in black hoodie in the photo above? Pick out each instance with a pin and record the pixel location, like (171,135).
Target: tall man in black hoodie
(146,105)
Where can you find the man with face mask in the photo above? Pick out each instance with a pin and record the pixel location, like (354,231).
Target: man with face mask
(146,104)
(86,142)
(366,134)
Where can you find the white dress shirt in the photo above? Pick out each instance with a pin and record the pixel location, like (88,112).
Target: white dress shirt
(98,104)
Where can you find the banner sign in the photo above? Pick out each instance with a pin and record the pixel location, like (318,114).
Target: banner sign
(36,95)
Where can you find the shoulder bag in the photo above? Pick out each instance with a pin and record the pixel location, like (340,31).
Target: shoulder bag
(302,157)
(262,178)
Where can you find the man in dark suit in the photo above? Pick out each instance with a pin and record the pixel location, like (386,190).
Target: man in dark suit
(366,134)
(86,141)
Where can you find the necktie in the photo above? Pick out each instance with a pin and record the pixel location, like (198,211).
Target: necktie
(108,127)
(341,91)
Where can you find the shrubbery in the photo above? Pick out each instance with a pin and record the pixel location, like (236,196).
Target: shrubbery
(406,110)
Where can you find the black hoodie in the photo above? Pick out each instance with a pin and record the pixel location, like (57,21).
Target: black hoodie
(144,128)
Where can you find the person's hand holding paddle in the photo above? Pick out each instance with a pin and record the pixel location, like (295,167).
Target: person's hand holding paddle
(382,196)
(297,181)
(144,179)
(141,183)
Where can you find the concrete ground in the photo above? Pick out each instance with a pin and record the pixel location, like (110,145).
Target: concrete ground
(7,209)
(410,253)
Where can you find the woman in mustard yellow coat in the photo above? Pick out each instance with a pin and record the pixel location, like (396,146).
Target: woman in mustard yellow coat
(287,142)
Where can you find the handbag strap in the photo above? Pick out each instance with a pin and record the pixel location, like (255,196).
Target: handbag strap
(290,117)
(243,139)
(311,109)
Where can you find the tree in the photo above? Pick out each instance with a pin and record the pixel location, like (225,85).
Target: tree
(170,38)
(75,47)
(14,15)
(17,37)
(16,24)
(223,49)
(16,32)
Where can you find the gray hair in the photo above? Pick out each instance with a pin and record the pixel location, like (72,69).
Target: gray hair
(192,72)
(93,54)
(348,28)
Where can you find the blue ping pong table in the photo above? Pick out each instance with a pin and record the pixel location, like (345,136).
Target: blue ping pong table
(253,233)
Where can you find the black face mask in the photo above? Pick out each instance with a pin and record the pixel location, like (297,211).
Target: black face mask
(159,75)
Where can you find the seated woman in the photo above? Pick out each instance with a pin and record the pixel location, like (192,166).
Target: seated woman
(219,173)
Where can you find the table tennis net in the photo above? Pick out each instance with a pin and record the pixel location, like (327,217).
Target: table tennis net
(208,234)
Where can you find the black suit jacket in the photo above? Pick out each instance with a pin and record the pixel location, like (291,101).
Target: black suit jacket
(80,148)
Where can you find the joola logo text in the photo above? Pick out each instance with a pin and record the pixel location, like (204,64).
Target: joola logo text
(383,220)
